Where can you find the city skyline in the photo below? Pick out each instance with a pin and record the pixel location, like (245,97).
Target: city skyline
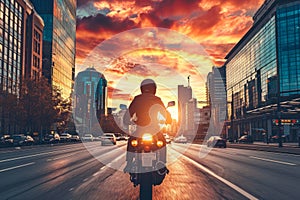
(121,23)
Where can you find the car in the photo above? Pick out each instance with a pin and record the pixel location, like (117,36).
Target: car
(21,140)
(52,138)
(120,136)
(216,141)
(246,139)
(167,137)
(75,138)
(65,137)
(108,138)
(6,140)
(87,138)
(97,138)
(284,138)
(181,139)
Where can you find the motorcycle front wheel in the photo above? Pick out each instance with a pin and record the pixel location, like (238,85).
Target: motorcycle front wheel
(146,186)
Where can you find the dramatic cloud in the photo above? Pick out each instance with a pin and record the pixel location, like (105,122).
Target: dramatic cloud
(217,25)
(224,21)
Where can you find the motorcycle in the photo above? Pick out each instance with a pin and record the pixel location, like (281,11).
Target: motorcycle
(149,161)
(148,165)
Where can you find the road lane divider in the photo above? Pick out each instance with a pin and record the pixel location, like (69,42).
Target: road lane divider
(42,154)
(100,170)
(228,183)
(116,161)
(16,167)
(274,161)
(33,155)
(60,157)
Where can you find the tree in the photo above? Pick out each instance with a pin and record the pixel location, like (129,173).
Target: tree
(8,112)
(42,106)
(63,109)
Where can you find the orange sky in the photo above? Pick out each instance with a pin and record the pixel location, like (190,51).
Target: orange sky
(216,25)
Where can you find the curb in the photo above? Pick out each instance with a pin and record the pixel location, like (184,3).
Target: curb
(284,149)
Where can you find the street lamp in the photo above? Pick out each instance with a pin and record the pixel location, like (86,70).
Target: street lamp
(278,109)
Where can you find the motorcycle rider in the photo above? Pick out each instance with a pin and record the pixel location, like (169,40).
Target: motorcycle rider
(147,112)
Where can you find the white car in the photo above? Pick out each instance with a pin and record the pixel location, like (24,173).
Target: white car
(108,138)
(181,139)
(87,137)
(65,137)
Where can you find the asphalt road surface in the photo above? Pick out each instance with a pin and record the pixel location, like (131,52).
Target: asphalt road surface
(92,171)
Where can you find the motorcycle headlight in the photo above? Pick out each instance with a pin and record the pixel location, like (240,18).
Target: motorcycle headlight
(160,143)
(134,143)
(147,137)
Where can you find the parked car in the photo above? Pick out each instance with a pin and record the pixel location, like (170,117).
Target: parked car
(167,137)
(181,139)
(75,138)
(216,141)
(284,138)
(6,140)
(87,138)
(108,138)
(65,137)
(246,139)
(21,140)
(52,138)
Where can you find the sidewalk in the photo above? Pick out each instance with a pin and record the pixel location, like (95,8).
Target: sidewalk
(292,148)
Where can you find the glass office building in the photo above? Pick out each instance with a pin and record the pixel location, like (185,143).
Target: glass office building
(59,42)
(89,100)
(266,60)
(11,45)
(21,29)
(216,98)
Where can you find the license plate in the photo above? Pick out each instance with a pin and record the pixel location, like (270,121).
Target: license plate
(147,159)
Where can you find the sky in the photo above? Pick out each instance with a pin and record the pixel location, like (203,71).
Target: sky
(166,40)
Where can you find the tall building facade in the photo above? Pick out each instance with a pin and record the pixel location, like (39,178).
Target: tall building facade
(263,74)
(59,42)
(192,115)
(20,31)
(204,123)
(34,45)
(89,100)
(184,96)
(216,98)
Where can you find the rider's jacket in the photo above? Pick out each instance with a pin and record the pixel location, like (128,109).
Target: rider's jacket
(147,111)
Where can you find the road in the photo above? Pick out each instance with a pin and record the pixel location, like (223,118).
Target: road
(74,171)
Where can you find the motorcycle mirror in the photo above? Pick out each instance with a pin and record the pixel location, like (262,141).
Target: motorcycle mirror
(171,103)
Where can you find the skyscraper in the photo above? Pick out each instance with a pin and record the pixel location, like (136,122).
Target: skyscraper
(58,42)
(184,95)
(90,100)
(263,74)
(21,29)
(216,97)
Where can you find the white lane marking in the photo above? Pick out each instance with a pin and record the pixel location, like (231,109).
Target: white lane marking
(233,186)
(86,179)
(109,165)
(29,156)
(57,158)
(98,172)
(274,161)
(34,155)
(15,167)
(115,160)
